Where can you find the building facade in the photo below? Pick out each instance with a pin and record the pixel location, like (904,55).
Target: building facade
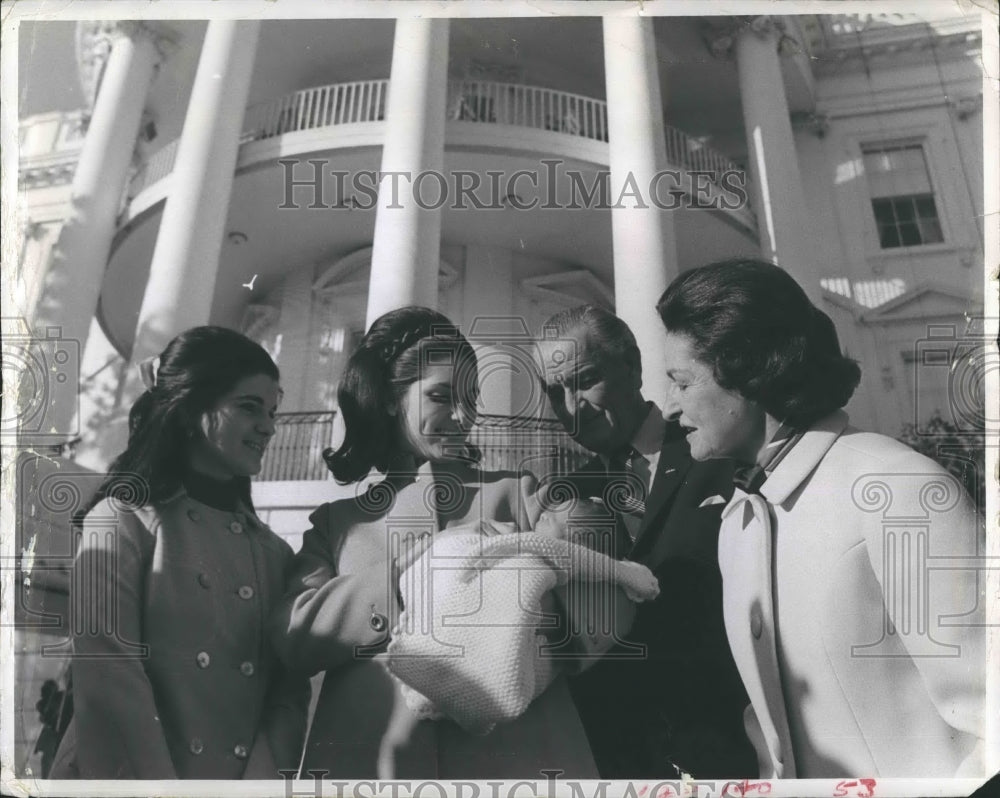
(294,179)
(229,172)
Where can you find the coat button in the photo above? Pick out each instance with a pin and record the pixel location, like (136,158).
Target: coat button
(194,515)
(236,528)
(203,659)
(378,622)
(245,592)
(247,668)
(204,580)
(196,746)
(241,752)
(756,624)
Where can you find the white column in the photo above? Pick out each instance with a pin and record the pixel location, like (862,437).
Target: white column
(779,200)
(73,281)
(645,245)
(407,245)
(186,258)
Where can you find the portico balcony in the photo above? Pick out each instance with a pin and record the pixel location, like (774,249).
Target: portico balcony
(562,123)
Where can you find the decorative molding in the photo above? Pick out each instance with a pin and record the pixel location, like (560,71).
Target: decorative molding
(948,301)
(569,288)
(964,107)
(721,33)
(46,175)
(850,41)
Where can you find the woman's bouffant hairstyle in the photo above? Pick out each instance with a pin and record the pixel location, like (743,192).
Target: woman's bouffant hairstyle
(756,328)
(198,367)
(389,359)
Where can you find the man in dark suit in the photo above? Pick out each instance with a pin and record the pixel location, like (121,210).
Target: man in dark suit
(668,699)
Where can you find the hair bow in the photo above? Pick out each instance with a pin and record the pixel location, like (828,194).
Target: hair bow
(147,371)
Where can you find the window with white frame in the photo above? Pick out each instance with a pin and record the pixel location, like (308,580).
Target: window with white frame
(902,195)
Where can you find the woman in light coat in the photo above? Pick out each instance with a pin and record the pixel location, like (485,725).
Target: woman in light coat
(851,597)
(175,577)
(408,399)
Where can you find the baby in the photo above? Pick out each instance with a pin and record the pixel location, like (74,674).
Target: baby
(523,607)
(588,522)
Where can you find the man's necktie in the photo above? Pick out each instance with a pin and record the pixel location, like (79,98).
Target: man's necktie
(625,494)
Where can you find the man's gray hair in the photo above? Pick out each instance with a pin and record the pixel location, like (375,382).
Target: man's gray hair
(608,333)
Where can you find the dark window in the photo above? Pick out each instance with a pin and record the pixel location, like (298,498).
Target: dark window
(902,196)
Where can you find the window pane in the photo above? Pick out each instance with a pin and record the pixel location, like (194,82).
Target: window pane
(926,208)
(896,171)
(909,234)
(883,211)
(904,209)
(930,231)
(888,236)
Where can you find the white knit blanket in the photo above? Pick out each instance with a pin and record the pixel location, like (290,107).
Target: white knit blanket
(468,644)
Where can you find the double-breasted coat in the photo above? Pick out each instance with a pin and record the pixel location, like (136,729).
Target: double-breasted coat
(337,617)
(173,673)
(854,611)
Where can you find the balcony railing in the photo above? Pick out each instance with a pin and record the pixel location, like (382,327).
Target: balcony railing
(296,451)
(538,445)
(477,101)
(506,443)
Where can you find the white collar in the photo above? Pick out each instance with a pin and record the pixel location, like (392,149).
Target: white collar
(648,439)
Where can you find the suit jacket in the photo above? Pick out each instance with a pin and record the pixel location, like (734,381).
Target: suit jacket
(173,675)
(677,701)
(872,662)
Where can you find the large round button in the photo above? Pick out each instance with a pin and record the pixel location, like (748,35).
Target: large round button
(236,528)
(204,580)
(378,622)
(196,746)
(194,515)
(203,659)
(756,624)
(247,668)
(241,752)
(245,592)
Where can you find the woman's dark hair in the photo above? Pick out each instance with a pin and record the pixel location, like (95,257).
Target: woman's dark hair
(756,328)
(388,360)
(197,368)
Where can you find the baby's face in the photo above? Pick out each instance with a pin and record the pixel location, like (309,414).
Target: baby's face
(555,522)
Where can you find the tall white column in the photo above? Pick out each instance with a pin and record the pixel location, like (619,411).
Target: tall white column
(779,200)
(186,258)
(73,281)
(644,241)
(407,246)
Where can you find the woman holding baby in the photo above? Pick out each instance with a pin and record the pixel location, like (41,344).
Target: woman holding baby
(408,401)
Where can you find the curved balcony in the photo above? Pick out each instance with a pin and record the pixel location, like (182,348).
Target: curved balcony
(567,124)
